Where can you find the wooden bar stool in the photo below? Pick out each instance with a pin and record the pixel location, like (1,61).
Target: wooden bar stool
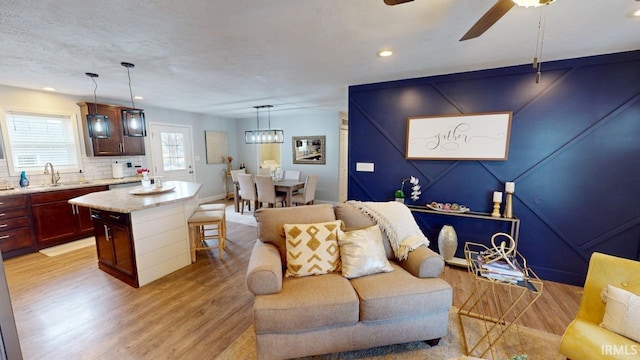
(210,207)
(197,231)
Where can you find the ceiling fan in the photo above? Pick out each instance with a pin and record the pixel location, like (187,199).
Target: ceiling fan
(490,17)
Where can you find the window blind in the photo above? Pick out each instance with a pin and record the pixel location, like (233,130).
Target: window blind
(35,139)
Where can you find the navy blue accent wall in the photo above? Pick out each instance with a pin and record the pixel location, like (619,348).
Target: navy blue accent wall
(574,156)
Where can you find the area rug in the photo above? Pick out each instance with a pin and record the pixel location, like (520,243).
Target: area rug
(247,218)
(68,247)
(536,344)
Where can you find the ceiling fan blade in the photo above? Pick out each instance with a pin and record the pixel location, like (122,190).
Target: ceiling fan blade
(396,2)
(488,19)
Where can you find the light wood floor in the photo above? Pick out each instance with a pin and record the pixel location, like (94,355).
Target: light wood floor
(66,308)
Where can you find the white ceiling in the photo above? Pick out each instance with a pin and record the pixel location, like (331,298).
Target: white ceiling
(223,57)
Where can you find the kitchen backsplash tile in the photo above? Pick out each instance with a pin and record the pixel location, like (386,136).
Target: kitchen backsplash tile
(92,169)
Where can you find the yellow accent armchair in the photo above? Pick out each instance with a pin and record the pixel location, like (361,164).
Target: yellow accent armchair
(584,338)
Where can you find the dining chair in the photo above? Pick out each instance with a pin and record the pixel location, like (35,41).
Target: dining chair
(308,193)
(292,175)
(267,192)
(264,171)
(234,182)
(234,178)
(247,191)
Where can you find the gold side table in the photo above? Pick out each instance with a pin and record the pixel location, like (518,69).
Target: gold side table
(498,301)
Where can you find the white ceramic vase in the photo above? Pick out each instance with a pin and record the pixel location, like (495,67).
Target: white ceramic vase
(447,242)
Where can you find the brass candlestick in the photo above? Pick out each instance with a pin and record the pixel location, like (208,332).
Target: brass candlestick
(496,209)
(508,206)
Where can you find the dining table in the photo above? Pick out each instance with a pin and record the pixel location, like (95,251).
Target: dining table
(286,186)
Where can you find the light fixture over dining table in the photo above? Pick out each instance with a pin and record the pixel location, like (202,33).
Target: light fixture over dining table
(268,136)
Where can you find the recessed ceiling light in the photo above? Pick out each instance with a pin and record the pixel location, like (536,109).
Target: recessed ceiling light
(385,53)
(48,88)
(138,97)
(534,3)
(636,13)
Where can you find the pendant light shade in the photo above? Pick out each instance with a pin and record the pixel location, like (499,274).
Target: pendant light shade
(267,136)
(133,123)
(97,124)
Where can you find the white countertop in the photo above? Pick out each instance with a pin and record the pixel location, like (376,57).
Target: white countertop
(122,201)
(67,186)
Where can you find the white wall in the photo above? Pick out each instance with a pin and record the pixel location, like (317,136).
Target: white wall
(310,124)
(211,176)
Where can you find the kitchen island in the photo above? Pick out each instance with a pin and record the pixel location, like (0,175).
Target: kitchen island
(141,237)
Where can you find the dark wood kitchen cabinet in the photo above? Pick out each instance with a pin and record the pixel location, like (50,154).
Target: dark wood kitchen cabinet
(117,144)
(16,236)
(114,244)
(56,221)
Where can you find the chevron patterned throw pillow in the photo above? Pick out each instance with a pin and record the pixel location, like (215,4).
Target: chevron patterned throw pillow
(312,249)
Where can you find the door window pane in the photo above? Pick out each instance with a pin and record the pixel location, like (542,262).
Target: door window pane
(173,151)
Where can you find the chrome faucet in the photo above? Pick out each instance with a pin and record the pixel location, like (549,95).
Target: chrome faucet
(55,177)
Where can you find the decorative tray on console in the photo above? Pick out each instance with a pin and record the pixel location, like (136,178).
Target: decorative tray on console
(447,207)
(151,191)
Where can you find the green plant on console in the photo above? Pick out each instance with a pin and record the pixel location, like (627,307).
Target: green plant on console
(415,189)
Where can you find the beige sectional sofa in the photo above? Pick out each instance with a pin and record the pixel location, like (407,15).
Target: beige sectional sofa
(319,314)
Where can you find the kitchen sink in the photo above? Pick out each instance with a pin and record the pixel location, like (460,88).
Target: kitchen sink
(62,184)
(34,187)
(74,183)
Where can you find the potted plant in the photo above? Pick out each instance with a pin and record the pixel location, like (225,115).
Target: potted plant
(415,189)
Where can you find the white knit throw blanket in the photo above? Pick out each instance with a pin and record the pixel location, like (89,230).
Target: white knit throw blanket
(396,220)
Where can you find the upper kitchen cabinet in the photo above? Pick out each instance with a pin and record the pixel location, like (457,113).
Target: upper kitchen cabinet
(116,143)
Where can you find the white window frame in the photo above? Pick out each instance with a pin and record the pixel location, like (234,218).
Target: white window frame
(8,150)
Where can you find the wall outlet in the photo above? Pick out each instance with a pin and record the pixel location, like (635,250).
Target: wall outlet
(365,167)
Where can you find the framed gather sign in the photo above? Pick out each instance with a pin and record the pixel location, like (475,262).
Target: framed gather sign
(482,136)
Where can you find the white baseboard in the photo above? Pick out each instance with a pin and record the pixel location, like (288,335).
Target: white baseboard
(212,198)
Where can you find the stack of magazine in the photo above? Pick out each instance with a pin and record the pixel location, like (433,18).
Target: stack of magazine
(501,270)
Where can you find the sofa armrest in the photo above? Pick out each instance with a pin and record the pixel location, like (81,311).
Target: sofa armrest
(264,272)
(423,263)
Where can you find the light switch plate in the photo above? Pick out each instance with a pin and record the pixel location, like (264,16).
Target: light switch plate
(366,167)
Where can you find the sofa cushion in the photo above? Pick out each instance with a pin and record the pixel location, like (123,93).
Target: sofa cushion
(271,221)
(398,294)
(621,312)
(354,219)
(307,303)
(362,253)
(585,340)
(312,249)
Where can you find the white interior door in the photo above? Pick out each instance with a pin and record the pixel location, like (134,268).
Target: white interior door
(343,161)
(172,152)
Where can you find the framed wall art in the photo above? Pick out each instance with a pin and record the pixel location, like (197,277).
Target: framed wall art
(482,136)
(216,145)
(309,149)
